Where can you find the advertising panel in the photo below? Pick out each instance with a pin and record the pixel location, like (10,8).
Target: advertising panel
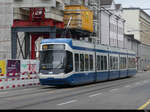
(29,67)
(2,69)
(13,68)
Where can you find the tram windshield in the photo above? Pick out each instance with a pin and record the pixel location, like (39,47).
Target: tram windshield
(56,61)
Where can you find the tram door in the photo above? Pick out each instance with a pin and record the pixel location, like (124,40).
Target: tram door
(101,67)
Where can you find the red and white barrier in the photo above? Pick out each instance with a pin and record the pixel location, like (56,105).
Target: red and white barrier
(18,83)
(28,75)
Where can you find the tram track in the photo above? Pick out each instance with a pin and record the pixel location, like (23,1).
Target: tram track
(82,87)
(39,90)
(52,89)
(80,91)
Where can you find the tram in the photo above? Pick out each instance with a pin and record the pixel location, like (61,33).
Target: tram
(72,62)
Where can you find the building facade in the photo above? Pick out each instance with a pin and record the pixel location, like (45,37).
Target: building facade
(137,28)
(11,10)
(138,24)
(112,24)
(141,50)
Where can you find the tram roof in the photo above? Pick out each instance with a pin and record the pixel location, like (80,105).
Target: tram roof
(58,40)
(70,42)
(81,43)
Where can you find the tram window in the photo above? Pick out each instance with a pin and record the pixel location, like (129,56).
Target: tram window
(105,62)
(81,62)
(134,62)
(130,62)
(98,63)
(77,62)
(91,62)
(102,62)
(121,62)
(116,63)
(69,63)
(86,62)
(125,63)
(111,62)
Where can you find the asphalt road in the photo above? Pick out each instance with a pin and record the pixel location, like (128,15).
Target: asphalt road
(128,93)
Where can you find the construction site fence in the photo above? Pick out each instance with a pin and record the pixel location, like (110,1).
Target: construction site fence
(18,73)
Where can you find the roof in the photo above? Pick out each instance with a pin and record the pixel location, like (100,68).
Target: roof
(106,2)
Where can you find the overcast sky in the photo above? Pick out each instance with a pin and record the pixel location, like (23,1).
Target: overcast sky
(135,3)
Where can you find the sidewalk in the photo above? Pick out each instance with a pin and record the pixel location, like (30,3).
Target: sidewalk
(142,71)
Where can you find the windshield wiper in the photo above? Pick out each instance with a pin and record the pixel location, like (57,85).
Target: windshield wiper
(57,67)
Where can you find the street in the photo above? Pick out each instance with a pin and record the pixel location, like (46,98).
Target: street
(128,93)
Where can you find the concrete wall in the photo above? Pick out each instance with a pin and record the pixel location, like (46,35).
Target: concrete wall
(132,22)
(145,34)
(128,43)
(6,20)
(138,24)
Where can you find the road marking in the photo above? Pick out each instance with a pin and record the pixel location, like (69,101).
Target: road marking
(29,95)
(72,101)
(144,106)
(95,95)
(128,86)
(146,81)
(3,92)
(139,84)
(113,90)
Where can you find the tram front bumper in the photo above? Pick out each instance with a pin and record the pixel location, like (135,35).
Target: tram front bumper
(52,81)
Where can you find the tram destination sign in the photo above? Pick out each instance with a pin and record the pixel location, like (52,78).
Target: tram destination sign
(54,47)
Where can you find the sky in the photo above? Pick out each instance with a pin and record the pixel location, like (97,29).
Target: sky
(135,3)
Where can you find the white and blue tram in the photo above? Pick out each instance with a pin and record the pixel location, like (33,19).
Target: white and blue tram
(72,62)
